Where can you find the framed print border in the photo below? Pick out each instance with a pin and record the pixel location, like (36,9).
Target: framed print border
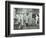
(7,18)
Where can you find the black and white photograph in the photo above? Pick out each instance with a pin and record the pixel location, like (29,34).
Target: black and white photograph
(24,18)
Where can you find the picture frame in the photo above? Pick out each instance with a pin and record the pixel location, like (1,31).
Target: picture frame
(24,6)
